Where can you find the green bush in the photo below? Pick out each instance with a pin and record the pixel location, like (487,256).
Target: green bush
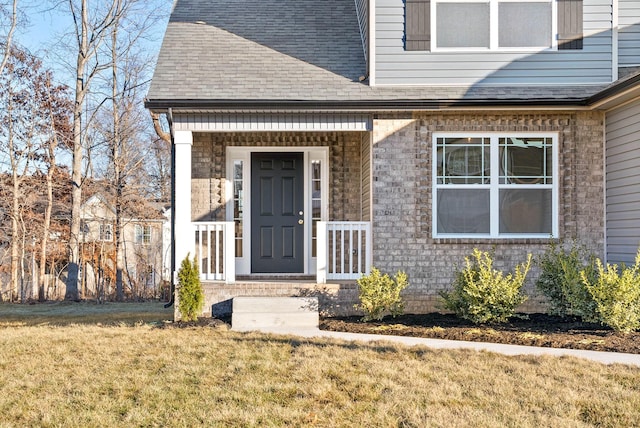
(379,293)
(190,292)
(482,294)
(616,293)
(560,280)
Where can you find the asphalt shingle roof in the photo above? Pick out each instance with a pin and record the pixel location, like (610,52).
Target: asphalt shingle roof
(304,50)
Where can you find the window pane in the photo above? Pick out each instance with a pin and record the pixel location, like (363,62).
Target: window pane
(525,161)
(524,24)
(315,170)
(462,25)
(525,211)
(463,160)
(463,211)
(315,209)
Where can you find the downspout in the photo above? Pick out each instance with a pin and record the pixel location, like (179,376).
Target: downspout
(173,211)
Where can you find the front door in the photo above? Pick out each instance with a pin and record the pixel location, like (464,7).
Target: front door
(277,203)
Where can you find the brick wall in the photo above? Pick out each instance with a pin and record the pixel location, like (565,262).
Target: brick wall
(401,170)
(345,168)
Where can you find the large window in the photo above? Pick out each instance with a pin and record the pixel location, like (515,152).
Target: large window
(493,24)
(495,186)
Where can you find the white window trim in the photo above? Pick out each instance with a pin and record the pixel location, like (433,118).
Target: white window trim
(493,28)
(234,153)
(495,186)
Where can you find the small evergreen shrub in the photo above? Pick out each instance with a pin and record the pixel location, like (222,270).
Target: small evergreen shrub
(616,293)
(190,292)
(482,294)
(380,293)
(561,282)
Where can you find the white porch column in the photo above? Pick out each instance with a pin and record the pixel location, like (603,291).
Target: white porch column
(321,253)
(184,235)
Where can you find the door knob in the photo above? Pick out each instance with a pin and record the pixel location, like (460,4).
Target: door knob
(300,212)
(300,221)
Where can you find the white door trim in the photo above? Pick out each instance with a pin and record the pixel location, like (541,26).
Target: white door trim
(243,154)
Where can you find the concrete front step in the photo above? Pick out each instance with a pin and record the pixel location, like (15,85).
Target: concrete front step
(251,313)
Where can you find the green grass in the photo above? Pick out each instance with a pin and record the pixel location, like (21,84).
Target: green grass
(58,372)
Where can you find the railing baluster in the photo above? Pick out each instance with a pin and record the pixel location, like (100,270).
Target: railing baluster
(333,249)
(359,250)
(216,234)
(350,227)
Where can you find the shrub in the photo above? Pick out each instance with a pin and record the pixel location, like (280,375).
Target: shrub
(616,293)
(482,294)
(560,280)
(379,293)
(190,292)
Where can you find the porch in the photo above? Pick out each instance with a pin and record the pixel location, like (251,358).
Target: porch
(342,252)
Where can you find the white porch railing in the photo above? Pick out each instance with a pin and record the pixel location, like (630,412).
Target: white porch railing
(215,250)
(343,250)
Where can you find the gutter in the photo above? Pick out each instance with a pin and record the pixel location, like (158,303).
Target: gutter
(616,90)
(173,211)
(356,105)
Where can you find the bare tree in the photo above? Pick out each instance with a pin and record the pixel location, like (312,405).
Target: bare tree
(26,109)
(160,163)
(57,105)
(91,27)
(8,19)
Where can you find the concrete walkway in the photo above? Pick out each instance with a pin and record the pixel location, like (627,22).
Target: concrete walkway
(601,357)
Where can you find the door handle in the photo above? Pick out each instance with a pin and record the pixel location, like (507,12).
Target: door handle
(300,212)
(301,221)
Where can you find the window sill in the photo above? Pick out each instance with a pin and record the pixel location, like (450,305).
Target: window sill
(495,241)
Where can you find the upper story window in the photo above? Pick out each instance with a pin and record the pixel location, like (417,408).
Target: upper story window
(493,24)
(106,232)
(495,186)
(143,234)
(488,25)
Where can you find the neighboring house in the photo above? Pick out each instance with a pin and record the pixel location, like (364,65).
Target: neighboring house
(314,139)
(143,249)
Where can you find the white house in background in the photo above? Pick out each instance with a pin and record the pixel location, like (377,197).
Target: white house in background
(144,232)
(314,139)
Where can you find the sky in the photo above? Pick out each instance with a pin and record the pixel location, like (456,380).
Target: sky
(47,29)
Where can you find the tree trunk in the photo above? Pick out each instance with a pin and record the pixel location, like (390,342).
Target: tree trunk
(116,152)
(47,220)
(71,292)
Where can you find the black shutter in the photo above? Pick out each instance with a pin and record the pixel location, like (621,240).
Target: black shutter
(570,24)
(417,25)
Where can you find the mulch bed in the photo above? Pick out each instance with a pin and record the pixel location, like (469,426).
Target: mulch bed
(532,330)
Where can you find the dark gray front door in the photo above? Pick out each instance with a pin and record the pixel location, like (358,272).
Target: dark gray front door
(277,230)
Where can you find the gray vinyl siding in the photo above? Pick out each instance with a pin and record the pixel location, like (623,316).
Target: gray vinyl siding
(623,183)
(396,66)
(629,33)
(362,9)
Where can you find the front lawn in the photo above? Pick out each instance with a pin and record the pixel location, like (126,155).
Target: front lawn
(148,373)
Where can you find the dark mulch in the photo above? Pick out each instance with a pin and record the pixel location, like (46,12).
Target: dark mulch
(535,330)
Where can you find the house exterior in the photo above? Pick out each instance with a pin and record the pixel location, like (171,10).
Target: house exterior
(315,139)
(144,249)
